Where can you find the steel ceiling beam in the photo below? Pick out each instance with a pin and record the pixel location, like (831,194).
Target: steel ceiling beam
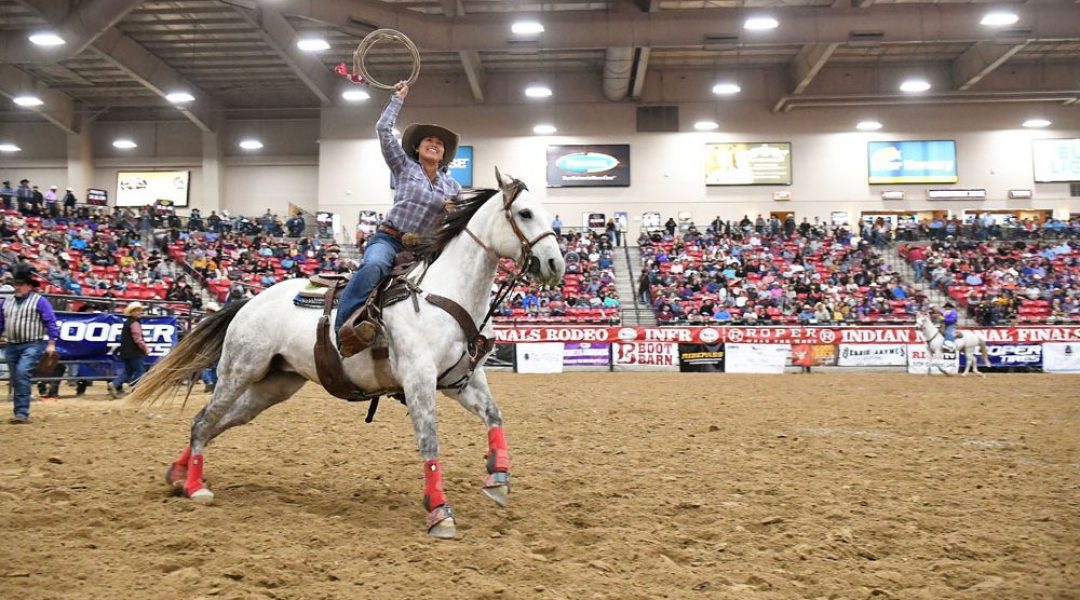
(808,63)
(142,65)
(979,60)
(79,28)
(280,35)
(952,22)
(58,109)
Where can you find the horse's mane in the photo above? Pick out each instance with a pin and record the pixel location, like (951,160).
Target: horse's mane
(452,223)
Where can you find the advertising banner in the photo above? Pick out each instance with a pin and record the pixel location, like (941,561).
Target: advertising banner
(1056,160)
(143,188)
(1061,358)
(645,356)
(872,355)
(813,355)
(588,166)
(919,161)
(586,354)
(755,358)
(96,337)
(701,358)
(540,358)
(461,168)
(773,335)
(919,360)
(762,163)
(1008,356)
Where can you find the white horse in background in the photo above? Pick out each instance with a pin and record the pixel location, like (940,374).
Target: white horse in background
(264,347)
(966,342)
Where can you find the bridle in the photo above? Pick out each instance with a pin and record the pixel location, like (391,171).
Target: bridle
(510,193)
(937,332)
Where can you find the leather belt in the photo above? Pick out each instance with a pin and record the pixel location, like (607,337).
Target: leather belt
(390,231)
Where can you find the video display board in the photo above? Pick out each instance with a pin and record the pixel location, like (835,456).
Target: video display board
(759,163)
(588,166)
(912,161)
(1056,160)
(143,188)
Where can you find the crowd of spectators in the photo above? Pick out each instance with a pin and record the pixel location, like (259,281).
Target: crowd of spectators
(764,271)
(1003,283)
(587,293)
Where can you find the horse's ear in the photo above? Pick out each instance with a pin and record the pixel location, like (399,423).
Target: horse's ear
(503,182)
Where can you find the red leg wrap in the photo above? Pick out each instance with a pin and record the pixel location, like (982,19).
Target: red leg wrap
(185,456)
(433,486)
(194,476)
(498,458)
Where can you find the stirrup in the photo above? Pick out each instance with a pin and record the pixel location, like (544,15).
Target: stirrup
(355,339)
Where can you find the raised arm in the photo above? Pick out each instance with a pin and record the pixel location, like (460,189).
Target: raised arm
(392,152)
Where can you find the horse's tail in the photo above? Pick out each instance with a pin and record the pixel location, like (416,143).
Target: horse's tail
(201,348)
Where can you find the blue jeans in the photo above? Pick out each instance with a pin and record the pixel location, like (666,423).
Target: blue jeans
(21,360)
(209,376)
(919,265)
(950,333)
(133,370)
(378,260)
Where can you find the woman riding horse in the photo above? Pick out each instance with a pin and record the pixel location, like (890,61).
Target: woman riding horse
(424,190)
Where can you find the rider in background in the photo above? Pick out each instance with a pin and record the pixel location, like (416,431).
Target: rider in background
(424,190)
(949,318)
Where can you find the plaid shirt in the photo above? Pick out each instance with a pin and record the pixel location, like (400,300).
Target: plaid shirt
(417,201)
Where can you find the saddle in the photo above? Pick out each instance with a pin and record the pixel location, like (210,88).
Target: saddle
(401,283)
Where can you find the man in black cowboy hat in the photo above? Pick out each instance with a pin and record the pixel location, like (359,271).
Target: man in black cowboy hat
(28,322)
(424,187)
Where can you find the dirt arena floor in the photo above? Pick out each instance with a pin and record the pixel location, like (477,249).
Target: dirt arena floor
(626,486)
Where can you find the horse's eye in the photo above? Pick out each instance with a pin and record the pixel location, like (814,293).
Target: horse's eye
(525,213)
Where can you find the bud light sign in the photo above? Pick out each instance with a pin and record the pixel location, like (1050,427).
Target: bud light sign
(588,166)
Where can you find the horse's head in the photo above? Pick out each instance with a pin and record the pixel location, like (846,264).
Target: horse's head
(525,233)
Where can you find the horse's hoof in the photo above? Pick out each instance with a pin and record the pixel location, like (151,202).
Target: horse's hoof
(500,494)
(440,523)
(175,476)
(202,496)
(497,487)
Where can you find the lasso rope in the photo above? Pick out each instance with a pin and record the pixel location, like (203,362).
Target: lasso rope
(359,73)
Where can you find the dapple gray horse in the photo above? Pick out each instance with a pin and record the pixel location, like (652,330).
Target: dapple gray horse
(263,347)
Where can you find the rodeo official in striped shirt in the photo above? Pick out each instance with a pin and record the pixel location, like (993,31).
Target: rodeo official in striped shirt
(28,323)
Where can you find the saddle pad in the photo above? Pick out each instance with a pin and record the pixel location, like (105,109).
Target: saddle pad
(311,296)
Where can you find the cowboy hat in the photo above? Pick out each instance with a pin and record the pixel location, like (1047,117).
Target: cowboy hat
(25,274)
(416,132)
(132,307)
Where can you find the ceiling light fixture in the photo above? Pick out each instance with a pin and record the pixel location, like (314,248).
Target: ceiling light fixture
(46,38)
(355,95)
(868,126)
(915,86)
(527,28)
(1036,123)
(312,44)
(251,144)
(124,144)
(28,101)
(726,89)
(706,125)
(538,91)
(544,129)
(999,19)
(10,148)
(179,97)
(761,23)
